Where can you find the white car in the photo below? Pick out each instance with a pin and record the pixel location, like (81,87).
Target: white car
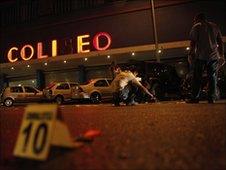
(64,91)
(98,89)
(17,94)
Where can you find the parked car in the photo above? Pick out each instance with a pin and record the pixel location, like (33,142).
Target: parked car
(64,91)
(165,83)
(14,94)
(163,80)
(221,84)
(98,89)
(160,79)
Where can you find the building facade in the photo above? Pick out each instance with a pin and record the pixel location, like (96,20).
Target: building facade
(68,40)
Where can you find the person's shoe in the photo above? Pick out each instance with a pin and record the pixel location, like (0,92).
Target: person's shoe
(192,101)
(116,104)
(211,101)
(132,103)
(153,100)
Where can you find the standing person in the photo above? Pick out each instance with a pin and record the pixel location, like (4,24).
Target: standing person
(125,86)
(206,51)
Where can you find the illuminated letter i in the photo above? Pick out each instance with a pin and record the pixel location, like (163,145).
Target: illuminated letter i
(54,48)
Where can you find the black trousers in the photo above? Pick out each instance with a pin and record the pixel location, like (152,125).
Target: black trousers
(126,95)
(199,66)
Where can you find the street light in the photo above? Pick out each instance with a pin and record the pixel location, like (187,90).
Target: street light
(155,31)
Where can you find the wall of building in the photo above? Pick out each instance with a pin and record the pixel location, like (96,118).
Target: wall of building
(129,24)
(72,75)
(174,22)
(128,28)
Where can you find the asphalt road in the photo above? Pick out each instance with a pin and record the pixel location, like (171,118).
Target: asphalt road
(171,135)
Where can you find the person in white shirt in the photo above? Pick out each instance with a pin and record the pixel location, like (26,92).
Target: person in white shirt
(125,86)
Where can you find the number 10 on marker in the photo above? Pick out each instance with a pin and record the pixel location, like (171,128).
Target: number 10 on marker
(34,138)
(40,135)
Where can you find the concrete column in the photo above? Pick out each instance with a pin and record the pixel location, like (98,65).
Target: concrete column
(40,79)
(82,73)
(3,82)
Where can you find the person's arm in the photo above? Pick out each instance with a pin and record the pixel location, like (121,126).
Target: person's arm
(193,40)
(220,48)
(142,87)
(191,55)
(146,91)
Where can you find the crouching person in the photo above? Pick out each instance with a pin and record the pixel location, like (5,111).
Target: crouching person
(125,86)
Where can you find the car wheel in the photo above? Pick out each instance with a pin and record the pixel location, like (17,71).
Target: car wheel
(59,99)
(8,102)
(95,98)
(156,91)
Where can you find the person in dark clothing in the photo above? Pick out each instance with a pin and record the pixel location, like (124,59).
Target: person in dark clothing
(206,51)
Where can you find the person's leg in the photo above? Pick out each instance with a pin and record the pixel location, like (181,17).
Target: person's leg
(212,80)
(116,98)
(131,93)
(197,79)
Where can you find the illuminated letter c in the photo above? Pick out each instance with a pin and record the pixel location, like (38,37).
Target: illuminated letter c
(9,55)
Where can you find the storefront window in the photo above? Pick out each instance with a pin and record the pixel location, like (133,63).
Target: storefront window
(30,82)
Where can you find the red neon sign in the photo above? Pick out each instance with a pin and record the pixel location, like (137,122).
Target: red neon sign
(96,41)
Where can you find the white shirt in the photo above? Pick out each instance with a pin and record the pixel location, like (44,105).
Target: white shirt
(122,79)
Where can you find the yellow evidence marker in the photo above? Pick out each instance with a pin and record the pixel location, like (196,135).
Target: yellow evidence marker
(41,128)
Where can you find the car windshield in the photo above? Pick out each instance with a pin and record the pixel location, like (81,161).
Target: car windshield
(87,82)
(30,89)
(101,83)
(50,86)
(73,84)
(109,81)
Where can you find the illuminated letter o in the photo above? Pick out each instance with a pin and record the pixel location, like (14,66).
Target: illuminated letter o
(10,56)
(22,52)
(96,42)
